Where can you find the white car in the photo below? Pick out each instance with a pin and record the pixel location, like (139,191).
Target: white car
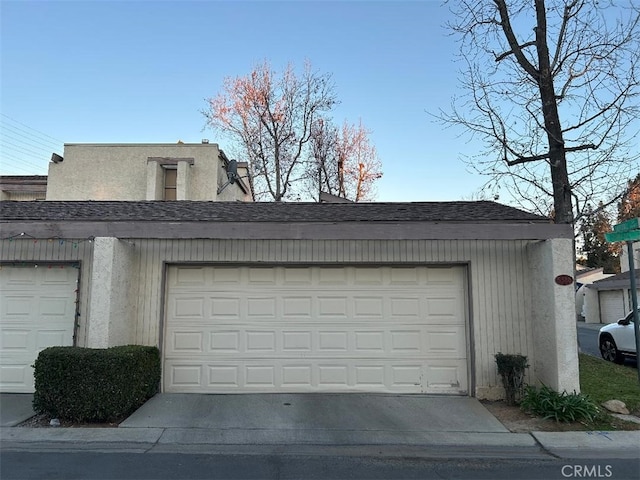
(618,340)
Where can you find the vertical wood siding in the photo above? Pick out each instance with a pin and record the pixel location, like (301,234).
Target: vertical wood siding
(66,252)
(497,271)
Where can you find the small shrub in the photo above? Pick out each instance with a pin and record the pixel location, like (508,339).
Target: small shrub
(511,368)
(95,385)
(561,407)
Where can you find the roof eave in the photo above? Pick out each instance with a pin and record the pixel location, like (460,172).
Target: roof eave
(345,230)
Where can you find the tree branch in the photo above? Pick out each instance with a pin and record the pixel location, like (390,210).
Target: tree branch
(513,41)
(542,156)
(510,52)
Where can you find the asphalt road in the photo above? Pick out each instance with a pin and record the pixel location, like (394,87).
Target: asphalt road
(125,466)
(588,340)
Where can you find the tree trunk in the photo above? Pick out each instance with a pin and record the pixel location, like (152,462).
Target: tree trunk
(557,155)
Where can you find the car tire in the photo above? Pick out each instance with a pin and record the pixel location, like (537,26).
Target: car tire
(609,350)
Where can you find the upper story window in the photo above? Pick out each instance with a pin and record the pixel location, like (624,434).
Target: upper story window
(170,183)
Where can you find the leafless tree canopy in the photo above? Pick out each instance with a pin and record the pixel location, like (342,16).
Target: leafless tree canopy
(270,115)
(551,88)
(343,162)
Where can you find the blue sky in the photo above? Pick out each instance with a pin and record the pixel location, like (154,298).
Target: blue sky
(135,72)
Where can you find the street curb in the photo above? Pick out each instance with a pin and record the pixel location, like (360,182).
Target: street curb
(74,435)
(590,444)
(222,437)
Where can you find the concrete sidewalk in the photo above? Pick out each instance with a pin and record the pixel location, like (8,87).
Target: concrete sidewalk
(395,425)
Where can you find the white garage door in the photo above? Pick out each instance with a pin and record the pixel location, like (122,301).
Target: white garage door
(37,310)
(246,329)
(611,305)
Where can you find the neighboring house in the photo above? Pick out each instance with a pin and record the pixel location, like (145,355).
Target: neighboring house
(136,172)
(293,297)
(23,187)
(585,276)
(608,300)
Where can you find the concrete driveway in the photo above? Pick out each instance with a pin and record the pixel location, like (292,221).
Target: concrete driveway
(313,418)
(15,408)
(296,418)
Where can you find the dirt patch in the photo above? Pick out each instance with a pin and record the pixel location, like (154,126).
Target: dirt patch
(518,421)
(44,421)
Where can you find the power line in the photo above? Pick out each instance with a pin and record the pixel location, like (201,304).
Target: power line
(2,168)
(21,149)
(27,126)
(34,140)
(20,160)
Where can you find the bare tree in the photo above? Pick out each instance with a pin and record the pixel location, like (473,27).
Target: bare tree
(270,117)
(551,88)
(344,163)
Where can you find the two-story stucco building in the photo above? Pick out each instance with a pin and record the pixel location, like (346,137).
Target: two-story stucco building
(138,172)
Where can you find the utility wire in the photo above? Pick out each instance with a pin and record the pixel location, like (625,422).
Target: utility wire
(22,147)
(27,126)
(8,130)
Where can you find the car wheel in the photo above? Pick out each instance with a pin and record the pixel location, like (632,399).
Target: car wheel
(609,350)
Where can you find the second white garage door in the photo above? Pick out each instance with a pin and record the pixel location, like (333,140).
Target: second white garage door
(288,329)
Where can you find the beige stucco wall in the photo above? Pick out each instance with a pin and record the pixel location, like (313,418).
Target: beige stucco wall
(591,306)
(121,172)
(112,304)
(553,315)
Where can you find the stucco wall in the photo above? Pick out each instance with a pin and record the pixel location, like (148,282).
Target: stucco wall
(112,306)
(120,172)
(591,306)
(553,314)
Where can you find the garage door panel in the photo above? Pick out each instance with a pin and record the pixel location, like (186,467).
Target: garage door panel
(313,376)
(15,339)
(225,307)
(189,307)
(261,307)
(16,378)
(54,306)
(318,329)
(445,340)
(225,341)
(368,277)
(446,376)
(298,276)
(186,376)
(296,341)
(186,276)
(59,337)
(298,307)
(379,341)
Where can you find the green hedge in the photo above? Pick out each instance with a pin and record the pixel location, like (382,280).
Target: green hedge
(95,385)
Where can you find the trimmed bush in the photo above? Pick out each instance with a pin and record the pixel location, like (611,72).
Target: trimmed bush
(511,368)
(562,407)
(95,385)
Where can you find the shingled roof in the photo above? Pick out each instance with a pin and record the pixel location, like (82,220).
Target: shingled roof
(190,211)
(621,280)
